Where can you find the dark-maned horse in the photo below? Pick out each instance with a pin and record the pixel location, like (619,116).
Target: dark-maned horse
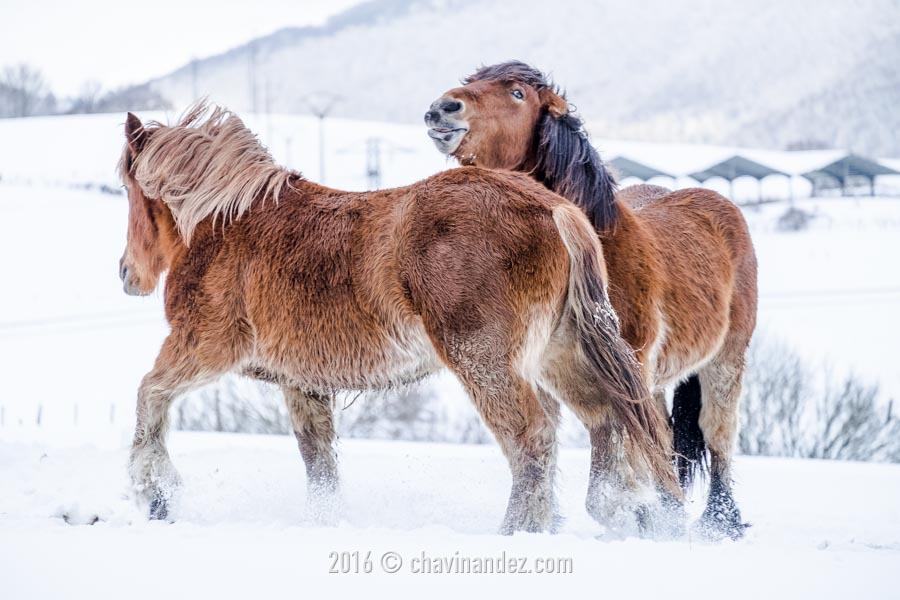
(682,268)
(487,273)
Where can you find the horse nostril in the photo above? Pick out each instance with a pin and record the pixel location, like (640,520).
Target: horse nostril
(452,106)
(123,272)
(431,115)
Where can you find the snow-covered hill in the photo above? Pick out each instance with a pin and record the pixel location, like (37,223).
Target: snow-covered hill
(820,529)
(770,72)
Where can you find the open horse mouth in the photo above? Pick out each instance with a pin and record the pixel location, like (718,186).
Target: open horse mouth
(447,139)
(444,132)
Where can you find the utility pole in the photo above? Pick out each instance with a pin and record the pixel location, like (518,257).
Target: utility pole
(194,93)
(251,75)
(373,162)
(320,105)
(268,105)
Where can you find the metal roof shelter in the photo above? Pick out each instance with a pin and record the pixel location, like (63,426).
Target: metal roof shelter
(849,167)
(734,167)
(631,168)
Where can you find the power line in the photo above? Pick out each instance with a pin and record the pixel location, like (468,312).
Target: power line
(321,104)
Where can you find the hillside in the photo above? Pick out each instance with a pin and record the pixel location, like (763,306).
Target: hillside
(768,72)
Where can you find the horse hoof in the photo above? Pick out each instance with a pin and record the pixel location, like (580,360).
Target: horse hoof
(661,522)
(718,526)
(159,510)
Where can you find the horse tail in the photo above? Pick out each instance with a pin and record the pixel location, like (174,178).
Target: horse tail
(690,445)
(612,361)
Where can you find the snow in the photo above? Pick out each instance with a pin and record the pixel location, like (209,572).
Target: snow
(241,527)
(74,347)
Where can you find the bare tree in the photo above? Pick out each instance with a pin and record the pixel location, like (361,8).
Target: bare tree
(135,97)
(235,405)
(789,409)
(88,99)
(24,89)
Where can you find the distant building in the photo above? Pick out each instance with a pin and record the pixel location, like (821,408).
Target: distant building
(846,173)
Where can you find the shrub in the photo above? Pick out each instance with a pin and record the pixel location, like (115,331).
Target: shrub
(787,409)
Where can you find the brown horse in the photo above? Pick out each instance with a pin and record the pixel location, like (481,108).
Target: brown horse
(682,268)
(487,273)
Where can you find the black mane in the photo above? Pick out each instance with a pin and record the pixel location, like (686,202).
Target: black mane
(566,161)
(513,70)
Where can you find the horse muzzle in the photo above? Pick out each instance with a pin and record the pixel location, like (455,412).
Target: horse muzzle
(445,129)
(130,283)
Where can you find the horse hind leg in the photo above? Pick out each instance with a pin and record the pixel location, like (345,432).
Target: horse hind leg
(619,495)
(525,428)
(524,422)
(720,381)
(312,418)
(614,496)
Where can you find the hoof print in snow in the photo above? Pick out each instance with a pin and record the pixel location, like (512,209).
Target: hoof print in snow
(79,519)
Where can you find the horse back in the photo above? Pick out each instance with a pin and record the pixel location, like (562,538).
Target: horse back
(703,281)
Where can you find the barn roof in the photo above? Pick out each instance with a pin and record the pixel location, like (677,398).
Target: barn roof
(851,165)
(631,168)
(734,167)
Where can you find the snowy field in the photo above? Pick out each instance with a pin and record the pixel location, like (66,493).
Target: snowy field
(74,347)
(241,531)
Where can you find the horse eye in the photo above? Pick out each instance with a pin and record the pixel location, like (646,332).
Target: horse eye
(518,95)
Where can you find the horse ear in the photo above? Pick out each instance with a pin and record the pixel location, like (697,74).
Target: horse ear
(556,105)
(135,133)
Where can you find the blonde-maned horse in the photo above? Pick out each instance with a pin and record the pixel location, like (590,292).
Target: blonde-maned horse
(489,274)
(681,265)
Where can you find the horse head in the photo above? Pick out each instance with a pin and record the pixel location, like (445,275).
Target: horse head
(490,120)
(150,224)
(510,116)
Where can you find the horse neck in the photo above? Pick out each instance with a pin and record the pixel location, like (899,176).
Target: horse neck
(579,175)
(601,207)
(170,241)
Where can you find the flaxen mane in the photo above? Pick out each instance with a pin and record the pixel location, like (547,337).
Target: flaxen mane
(209,164)
(567,162)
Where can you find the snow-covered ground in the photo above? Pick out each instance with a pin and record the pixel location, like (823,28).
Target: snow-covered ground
(241,530)
(73,348)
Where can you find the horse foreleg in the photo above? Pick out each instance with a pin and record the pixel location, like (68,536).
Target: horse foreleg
(312,417)
(175,372)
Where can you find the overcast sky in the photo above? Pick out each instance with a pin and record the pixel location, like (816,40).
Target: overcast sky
(116,42)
